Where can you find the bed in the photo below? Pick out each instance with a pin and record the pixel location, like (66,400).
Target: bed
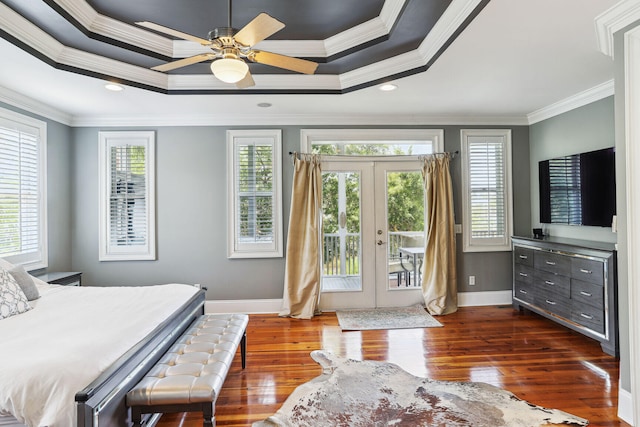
(71,359)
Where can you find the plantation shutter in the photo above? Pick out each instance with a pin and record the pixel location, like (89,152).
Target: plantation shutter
(254,192)
(127,201)
(255,218)
(487,207)
(127,196)
(22,209)
(487,189)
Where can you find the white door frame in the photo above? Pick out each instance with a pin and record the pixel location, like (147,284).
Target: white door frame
(632,144)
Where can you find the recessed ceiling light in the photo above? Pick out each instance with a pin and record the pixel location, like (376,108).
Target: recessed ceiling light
(388,87)
(264,104)
(113,87)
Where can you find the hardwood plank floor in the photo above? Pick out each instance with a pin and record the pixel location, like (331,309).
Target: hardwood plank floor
(534,358)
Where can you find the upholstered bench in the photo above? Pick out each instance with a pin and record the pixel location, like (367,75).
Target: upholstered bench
(189,376)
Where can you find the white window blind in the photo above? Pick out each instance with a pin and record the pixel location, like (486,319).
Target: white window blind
(254,193)
(127,196)
(487,187)
(23,231)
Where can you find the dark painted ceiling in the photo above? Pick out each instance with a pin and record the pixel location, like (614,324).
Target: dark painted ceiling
(306,20)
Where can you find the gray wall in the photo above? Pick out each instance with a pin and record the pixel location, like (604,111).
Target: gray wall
(59,164)
(591,127)
(191,217)
(587,128)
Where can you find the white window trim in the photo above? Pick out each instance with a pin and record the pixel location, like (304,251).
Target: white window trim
(478,245)
(275,248)
(309,136)
(108,139)
(41,258)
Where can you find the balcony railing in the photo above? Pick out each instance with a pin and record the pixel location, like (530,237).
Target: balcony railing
(343,258)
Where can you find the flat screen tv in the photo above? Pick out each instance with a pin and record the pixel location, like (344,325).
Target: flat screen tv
(579,189)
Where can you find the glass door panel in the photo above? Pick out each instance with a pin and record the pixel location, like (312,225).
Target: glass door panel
(399,206)
(347,248)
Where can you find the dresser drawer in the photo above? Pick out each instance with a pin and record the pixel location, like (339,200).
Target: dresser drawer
(588,316)
(587,293)
(554,303)
(553,263)
(522,273)
(524,292)
(523,256)
(549,282)
(588,270)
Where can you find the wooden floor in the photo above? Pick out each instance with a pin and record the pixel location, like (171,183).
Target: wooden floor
(539,361)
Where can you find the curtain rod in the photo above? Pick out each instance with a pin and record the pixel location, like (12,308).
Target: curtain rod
(452,154)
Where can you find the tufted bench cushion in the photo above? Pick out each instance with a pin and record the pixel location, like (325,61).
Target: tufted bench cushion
(189,376)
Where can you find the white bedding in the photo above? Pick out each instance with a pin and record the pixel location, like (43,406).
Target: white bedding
(71,335)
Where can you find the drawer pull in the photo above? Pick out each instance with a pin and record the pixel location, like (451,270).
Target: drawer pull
(549,283)
(582,270)
(550,302)
(524,274)
(586,294)
(522,291)
(586,316)
(550,262)
(523,257)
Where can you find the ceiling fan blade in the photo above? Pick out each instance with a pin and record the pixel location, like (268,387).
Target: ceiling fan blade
(172,32)
(184,62)
(283,61)
(257,30)
(247,81)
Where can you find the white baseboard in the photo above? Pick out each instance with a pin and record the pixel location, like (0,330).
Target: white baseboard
(625,406)
(475,299)
(255,306)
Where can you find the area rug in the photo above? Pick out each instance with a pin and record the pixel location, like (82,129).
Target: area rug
(370,393)
(386,318)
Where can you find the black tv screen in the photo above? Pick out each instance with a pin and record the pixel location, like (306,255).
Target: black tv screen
(579,189)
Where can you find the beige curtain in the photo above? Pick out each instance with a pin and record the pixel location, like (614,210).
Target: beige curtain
(439,283)
(302,272)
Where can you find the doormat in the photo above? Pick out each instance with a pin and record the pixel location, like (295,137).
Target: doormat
(386,318)
(372,393)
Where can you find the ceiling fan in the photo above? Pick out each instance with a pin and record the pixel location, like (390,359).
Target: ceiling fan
(229,47)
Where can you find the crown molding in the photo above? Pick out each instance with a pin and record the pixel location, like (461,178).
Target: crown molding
(613,20)
(32,106)
(105,26)
(296,119)
(580,99)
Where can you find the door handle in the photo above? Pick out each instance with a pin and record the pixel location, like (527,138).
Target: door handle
(380,242)
(343,219)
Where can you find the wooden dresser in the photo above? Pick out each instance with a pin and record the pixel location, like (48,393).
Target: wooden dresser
(572,282)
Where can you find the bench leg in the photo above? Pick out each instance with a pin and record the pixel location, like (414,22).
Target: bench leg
(136,417)
(209,420)
(243,349)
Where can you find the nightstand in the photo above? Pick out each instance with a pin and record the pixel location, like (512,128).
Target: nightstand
(69,278)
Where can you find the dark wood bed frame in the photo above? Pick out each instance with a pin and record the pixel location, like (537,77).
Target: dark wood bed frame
(102,403)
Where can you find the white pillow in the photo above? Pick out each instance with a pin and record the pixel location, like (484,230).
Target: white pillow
(12,299)
(25,280)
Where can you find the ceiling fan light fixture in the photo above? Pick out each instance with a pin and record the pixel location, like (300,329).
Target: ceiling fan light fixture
(229,70)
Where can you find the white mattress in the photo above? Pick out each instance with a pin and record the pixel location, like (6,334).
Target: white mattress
(71,335)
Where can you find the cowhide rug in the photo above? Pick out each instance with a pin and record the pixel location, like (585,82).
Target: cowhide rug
(371,393)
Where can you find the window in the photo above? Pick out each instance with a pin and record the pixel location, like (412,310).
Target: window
(372,142)
(486,185)
(254,190)
(23,190)
(127,196)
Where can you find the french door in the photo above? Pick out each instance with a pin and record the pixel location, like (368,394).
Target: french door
(373,234)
